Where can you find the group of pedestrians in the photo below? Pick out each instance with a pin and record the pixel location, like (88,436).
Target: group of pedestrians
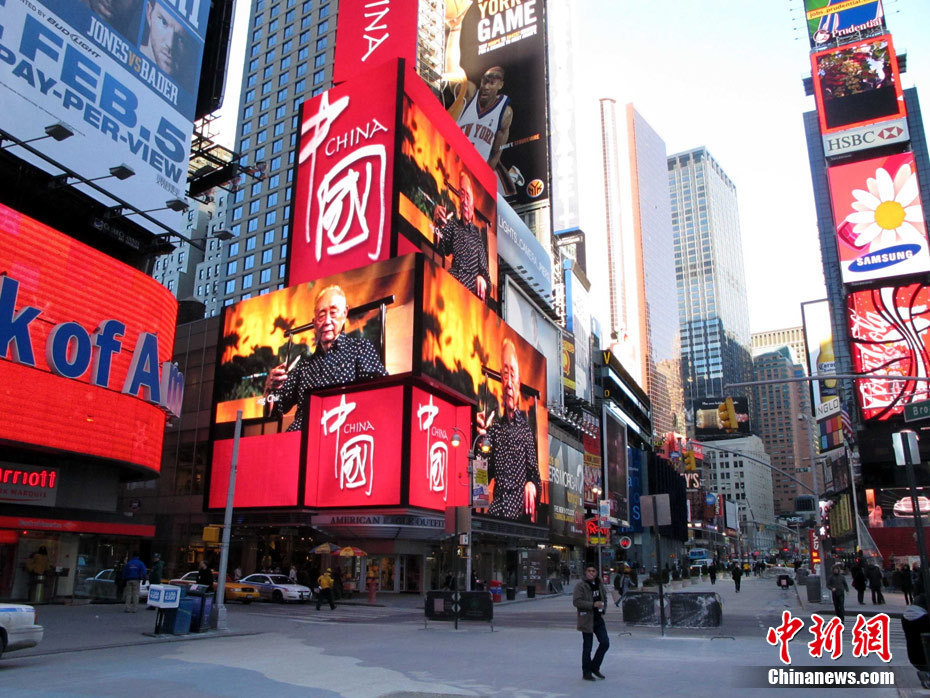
(870,577)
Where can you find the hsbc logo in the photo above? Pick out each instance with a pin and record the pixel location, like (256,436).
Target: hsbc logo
(865,137)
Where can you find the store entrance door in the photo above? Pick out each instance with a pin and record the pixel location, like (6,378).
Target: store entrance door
(410,573)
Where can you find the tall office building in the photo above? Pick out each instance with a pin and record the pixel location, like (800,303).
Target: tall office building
(713,310)
(739,474)
(782,419)
(609,145)
(772,340)
(653,252)
(288,58)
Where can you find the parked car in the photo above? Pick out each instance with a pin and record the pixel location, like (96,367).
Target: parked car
(103,586)
(18,629)
(277,587)
(234,591)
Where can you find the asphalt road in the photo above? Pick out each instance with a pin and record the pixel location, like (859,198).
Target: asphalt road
(360,650)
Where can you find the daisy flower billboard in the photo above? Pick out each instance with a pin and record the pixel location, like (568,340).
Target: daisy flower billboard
(879,218)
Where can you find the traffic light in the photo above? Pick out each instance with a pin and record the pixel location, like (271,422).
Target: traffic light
(727,415)
(690,461)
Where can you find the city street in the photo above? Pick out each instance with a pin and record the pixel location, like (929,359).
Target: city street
(384,650)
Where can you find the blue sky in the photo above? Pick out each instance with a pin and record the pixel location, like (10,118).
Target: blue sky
(725,74)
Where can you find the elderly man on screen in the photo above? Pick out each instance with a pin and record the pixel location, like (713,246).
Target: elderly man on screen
(513,466)
(337,360)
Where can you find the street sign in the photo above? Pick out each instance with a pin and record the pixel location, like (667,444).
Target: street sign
(916,411)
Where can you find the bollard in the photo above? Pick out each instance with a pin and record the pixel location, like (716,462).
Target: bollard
(372,590)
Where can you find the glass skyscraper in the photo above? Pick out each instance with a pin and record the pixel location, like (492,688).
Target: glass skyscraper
(713,310)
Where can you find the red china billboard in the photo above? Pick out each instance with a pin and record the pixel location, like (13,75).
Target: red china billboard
(879,218)
(831,22)
(354,450)
(343,192)
(857,84)
(890,332)
(92,365)
(439,475)
(278,329)
(471,350)
(496,72)
(372,32)
(267,471)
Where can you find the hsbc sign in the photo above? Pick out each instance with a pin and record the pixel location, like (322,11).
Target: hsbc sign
(864,137)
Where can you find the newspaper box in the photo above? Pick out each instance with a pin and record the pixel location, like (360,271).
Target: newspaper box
(164,596)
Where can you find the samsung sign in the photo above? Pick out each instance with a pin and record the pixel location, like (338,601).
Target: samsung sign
(864,137)
(521,250)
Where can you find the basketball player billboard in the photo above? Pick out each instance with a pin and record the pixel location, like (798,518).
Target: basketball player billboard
(495,67)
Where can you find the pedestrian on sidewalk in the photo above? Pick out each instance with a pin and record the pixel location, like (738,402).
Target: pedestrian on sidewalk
(906,586)
(838,586)
(325,588)
(590,597)
(205,576)
(622,584)
(915,622)
(712,570)
(737,572)
(133,573)
(859,583)
(874,575)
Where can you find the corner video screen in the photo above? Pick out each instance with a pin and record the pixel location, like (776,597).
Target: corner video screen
(857,84)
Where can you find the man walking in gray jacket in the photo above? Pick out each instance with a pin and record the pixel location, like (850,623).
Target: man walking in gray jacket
(590,599)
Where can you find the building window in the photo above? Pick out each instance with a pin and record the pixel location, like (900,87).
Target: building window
(250,243)
(232,267)
(247,281)
(248,262)
(230,286)
(267,256)
(265,276)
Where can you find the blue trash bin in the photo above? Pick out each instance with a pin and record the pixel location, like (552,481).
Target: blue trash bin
(182,617)
(200,620)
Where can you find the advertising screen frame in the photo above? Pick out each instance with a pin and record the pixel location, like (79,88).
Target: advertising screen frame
(868,248)
(616,465)
(887,337)
(90,368)
(105,84)
(865,98)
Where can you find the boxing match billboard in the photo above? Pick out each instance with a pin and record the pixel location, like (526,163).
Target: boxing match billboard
(82,369)
(121,76)
(496,70)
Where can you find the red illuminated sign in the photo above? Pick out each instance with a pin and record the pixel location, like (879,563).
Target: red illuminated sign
(857,84)
(438,470)
(88,361)
(879,218)
(342,200)
(371,32)
(353,455)
(890,332)
(27,523)
(266,471)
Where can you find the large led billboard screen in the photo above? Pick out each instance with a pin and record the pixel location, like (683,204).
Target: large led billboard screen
(879,218)
(496,69)
(278,329)
(468,348)
(889,329)
(831,22)
(81,366)
(446,193)
(566,489)
(122,76)
(857,84)
(345,169)
(818,337)
(615,458)
(720,418)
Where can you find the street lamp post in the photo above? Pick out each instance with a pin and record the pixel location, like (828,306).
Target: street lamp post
(227,526)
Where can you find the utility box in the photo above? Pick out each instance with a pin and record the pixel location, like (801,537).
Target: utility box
(813,589)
